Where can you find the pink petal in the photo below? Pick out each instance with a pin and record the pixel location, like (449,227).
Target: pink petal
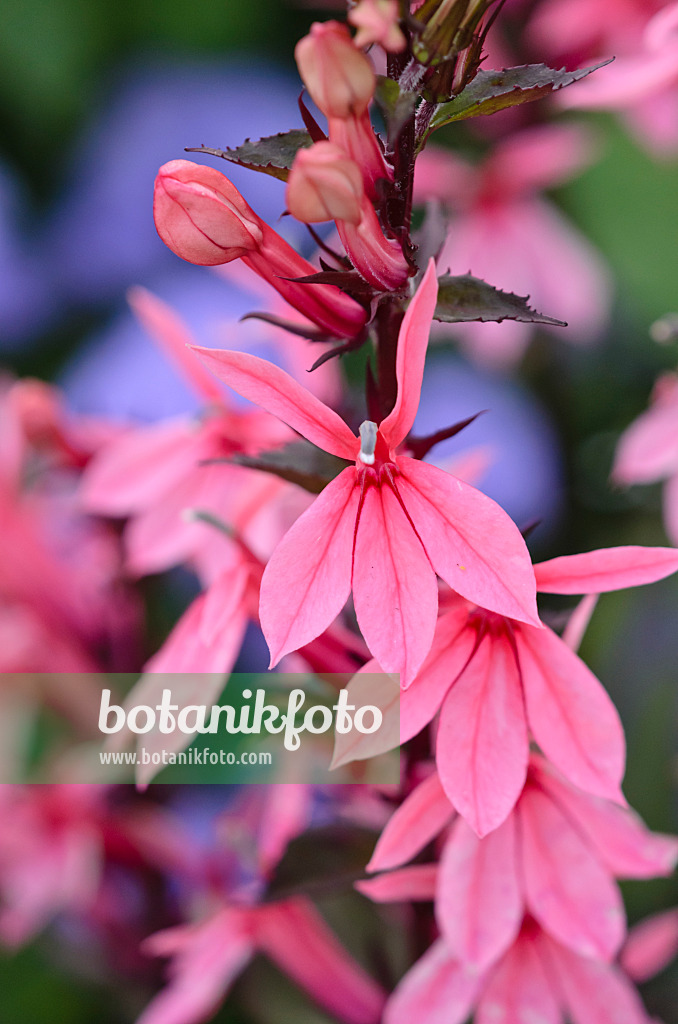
(453,645)
(275,391)
(472,543)
(651,946)
(209,959)
(411,355)
(520,990)
(570,714)
(417,882)
(594,992)
(566,888)
(596,572)
(168,329)
(617,835)
(648,449)
(578,622)
(370,686)
(418,820)
(482,745)
(437,990)
(297,939)
(394,587)
(479,906)
(308,578)
(135,470)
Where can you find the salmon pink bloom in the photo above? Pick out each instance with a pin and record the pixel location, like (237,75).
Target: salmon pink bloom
(325,184)
(499,683)
(341,82)
(384,526)
(537,980)
(648,449)
(377,22)
(555,857)
(203,218)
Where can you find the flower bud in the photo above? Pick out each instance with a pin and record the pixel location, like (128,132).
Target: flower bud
(201,217)
(325,184)
(336,73)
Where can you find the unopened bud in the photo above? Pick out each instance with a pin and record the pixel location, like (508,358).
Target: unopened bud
(325,184)
(201,216)
(336,73)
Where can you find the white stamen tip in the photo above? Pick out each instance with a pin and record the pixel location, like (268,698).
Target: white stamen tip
(368,442)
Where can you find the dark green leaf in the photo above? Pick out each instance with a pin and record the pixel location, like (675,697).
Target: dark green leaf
(271,155)
(299,462)
(465,298)
(322,860)
(491,91)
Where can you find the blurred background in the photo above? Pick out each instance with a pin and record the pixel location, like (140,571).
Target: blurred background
(93,98)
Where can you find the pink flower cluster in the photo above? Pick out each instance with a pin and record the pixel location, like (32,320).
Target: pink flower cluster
(313,515)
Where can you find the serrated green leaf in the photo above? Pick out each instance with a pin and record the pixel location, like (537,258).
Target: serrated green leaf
(466,298)
(299,462)
(491,91)
(272,155)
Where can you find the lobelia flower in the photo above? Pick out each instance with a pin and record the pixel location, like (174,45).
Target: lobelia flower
(341,82)
(383,527)
(504,231)
(499,683)
(325,184)
(203,218)
(537,980)
(648,450)
(377,22)
(555,858)
(642,82)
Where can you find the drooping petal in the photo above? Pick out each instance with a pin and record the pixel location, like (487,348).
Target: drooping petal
(617,834)
(272,389)
(370,686)
(453,645)
(596,572)
(167,328)
(410,358)
(566,888)
(417,882)
(479,905)
(308,578)
(296,938)
(472,543)
(578,622)
(394,586)
(208,959)
(418,820)
(138,468)
(437,990)
(648,449)
(651,945)
(519,991)
(593,992)
(570,714)
(482,745)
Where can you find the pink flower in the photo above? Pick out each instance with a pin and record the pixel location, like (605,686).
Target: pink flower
(207,958)
(555,858)
(377,22)
(648,449)
(538,979)
(203,218)
(383,527)
(325,184)
(341,82)
(504,232)
(499,684)
(643,80)
(651,945)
